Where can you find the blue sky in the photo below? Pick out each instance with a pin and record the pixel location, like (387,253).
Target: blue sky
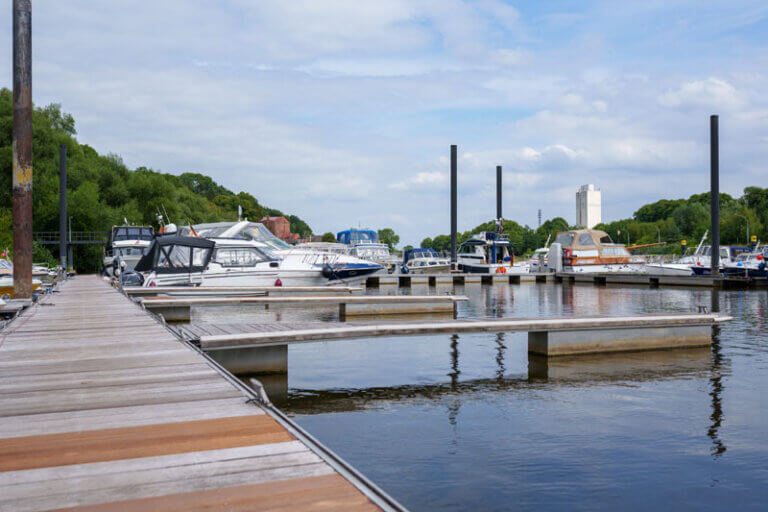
(343,111)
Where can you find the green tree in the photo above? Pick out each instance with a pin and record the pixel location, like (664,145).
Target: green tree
(388,236)
(329,237)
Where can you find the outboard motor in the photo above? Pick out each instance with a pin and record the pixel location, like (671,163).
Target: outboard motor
(131,278)
(555,258)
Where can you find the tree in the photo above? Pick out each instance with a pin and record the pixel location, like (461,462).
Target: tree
(407,248)
(329,237)
(388,236)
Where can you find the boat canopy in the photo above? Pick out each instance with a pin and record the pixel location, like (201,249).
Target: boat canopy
(176,255)
(583,239)
(356,236)
(419,253)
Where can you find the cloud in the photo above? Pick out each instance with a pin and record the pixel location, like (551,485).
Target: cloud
(343,111)
(713,93)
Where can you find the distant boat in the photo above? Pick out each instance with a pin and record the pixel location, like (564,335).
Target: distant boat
(424,261)
(728,254)
(749,264)
(488,253)
(592,251)
(6,285)
(125,244)
(365,244)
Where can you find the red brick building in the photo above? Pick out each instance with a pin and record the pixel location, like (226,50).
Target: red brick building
(280,227)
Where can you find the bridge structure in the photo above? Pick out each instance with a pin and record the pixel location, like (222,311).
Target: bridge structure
(70,239)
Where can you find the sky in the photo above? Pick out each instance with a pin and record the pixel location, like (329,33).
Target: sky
(343,111)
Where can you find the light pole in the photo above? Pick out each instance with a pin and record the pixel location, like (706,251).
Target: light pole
(745,220)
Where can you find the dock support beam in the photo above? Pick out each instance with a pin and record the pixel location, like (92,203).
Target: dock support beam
(565,342)
(714,200)
(245,361)
(498,194)
(22,149)
(454,201)
(63,206)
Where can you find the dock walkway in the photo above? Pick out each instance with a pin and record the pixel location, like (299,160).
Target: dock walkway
(102,408)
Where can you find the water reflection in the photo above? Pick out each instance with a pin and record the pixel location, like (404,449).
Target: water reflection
(716,384)
(544,374)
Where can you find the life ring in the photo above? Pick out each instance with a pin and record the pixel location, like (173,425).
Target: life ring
(501,270)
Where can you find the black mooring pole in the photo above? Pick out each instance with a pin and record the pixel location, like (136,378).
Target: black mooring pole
(22,149)
(454,197)
(498,193)
(714,201)
(63,206)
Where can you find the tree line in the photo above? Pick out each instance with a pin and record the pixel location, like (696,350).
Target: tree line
(102,191)
(668,221)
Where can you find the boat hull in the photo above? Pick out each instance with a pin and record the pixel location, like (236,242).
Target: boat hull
(492,268)
(668,269)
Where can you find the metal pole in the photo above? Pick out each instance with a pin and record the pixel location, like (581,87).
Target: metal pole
(714,203)
(454,197)
(22,149)
(63,206)
(498,193)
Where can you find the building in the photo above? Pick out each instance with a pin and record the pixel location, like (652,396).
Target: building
(589,206)
(280,227)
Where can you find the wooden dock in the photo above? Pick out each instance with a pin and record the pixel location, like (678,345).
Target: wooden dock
(102,408)
(178,309)
(243,291)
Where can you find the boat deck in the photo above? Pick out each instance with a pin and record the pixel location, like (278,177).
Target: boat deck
(102,408)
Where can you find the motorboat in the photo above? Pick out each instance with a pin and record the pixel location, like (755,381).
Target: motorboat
(683,265)
(728,254)
(125,246)
(6,285)
(592,251)
(324,247)
(248,254)
(424,261)
(365,244)
(748,264)
(488,252)
(172,260)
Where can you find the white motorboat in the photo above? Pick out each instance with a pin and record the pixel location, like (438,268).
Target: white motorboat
(593,251)
(125,247)
(488,253)
(749,264)
(424,261)
(247,254)
(365,244)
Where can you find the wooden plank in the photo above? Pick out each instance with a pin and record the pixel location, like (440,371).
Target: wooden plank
(125,377)
(142,360)
(318,493)
(160,482)
(352,299)
(132,442)
(130,416)
(37,402)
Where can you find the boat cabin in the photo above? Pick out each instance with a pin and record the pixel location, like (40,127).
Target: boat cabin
(357,236)
(177,255)
(486,248)
(593,247)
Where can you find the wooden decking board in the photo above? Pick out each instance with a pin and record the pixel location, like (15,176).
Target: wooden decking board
(131,442)
(129,416)
(101,407)
(319,493)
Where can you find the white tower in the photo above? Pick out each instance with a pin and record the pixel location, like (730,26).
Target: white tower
(588,206)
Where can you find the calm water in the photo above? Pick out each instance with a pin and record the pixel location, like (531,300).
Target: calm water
(468,422)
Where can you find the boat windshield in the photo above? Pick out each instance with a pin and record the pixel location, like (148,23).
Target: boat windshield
(131,233)
(370,253)
(564,239)
(247,230)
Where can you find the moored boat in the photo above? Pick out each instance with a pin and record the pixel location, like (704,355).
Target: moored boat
(593,251)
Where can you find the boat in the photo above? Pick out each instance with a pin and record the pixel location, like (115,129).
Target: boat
(488,252)
(424,261)
(592,251)
(365,244)
(6,285)
(728,254)
(125,246)
(248,254)
(681,266)
(172,260)
(748,264)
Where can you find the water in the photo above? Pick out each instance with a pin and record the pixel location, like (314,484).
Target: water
(469,422)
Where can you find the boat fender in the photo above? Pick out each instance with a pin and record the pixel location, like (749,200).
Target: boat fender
(566,254)
(278,282)
(501,270)
(405,269)
(327,271)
